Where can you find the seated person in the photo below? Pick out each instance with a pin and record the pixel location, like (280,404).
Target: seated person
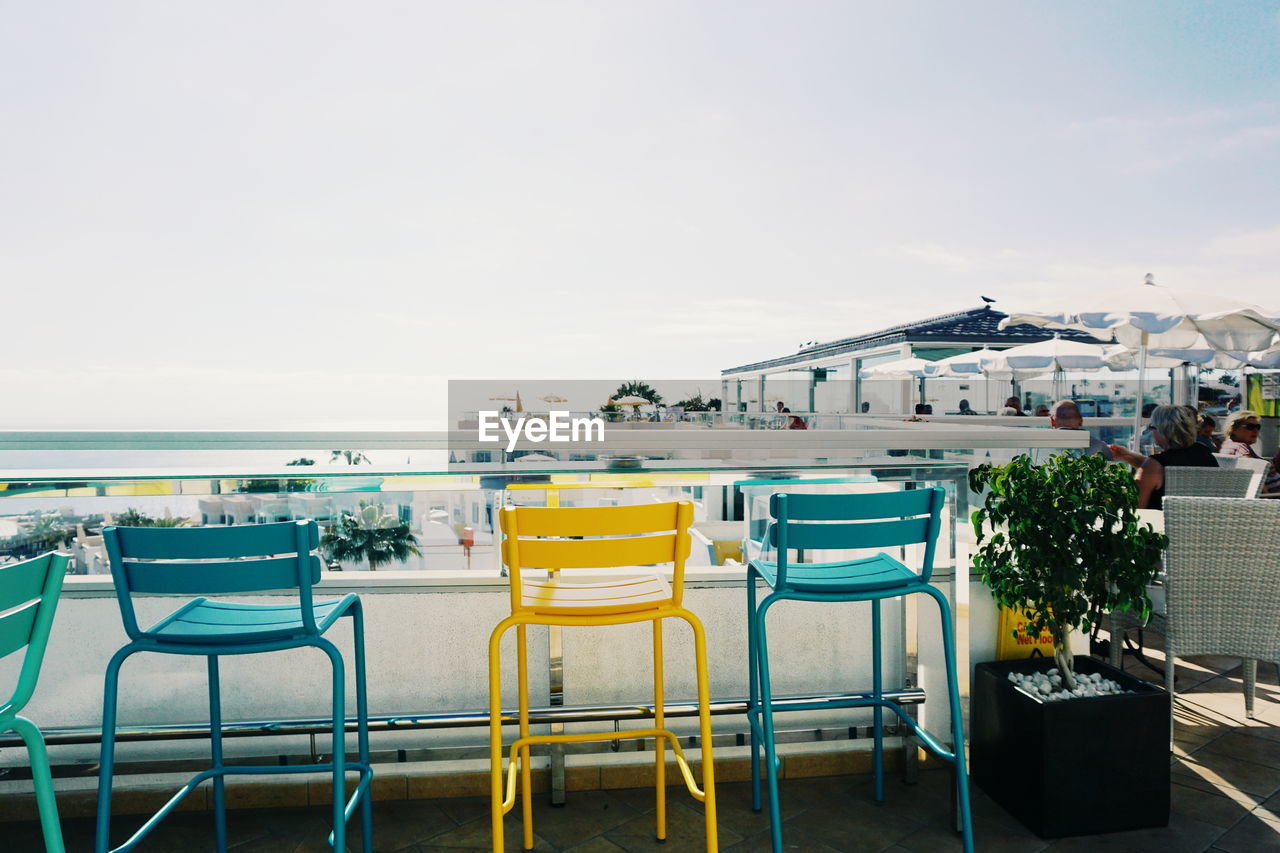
(1065,414)
(1207,432)
(1042,410)
(794,421)
(1174,431)
(1241,431)
(964,408)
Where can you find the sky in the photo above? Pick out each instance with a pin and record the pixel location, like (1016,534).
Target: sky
(312,215)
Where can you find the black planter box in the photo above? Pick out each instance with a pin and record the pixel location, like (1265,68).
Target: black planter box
(1073,767)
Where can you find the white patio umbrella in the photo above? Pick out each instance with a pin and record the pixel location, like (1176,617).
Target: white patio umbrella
(903,368)
(985,364)
(1057,355)
(1150,316)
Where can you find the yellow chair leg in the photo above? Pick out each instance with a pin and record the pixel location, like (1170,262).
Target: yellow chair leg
(704,725)
(659,722)
(495,736)
(526,773)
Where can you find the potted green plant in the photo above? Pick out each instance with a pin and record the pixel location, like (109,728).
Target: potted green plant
(1062,541)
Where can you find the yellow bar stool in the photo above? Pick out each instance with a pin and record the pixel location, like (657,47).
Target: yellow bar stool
(552,540)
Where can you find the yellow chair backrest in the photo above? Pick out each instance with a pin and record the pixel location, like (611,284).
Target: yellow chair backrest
(535,538)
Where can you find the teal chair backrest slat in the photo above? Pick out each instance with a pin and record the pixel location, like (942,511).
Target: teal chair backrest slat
(217,577)
(862,534)
(213,561)
(15,627)
(857,507)
(22,582)
(29,592)
(835,522)
(213,543)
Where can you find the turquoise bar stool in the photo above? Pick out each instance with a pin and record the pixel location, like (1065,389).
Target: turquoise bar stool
(224,561)
(28,596)
(833,522)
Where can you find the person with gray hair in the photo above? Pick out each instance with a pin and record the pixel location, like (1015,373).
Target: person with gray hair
(1065,414)
(1174,430)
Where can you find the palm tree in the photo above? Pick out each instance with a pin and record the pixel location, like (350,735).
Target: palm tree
(134,518)
(369,534)
(353,457)
(50,531)
(636,388)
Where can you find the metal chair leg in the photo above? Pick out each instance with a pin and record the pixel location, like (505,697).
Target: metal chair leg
(526,772)
(42,778)
(704,731)
(753,690)
(215,749)
(339,837)
(362,727)
(957,718)
(766,711)
(107,756)
(877,712)
(495,736)
(660,744)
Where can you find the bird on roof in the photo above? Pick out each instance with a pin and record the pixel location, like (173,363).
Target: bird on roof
(986,299)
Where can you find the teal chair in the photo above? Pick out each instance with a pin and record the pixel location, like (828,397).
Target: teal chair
(834,522)
(28,596)
(234,560)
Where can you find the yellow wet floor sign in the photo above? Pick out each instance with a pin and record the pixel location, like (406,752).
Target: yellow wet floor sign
(1011,647)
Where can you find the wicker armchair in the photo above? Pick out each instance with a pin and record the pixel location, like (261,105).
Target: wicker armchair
(1223,582)
(1182,482)
(1209,482)
(1243,463)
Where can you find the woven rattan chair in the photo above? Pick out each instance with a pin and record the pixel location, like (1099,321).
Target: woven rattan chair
(1258,467)
(1209,482)
(1182,482)
(1223,583)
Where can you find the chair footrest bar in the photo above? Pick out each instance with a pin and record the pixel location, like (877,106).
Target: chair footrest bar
(363,786)
(514,764)
(926,738)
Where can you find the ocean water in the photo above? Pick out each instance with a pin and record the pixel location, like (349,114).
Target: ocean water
(84,464)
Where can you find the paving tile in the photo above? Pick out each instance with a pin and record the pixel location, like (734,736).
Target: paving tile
(1210,806)
(853,827)
(596,845)
(398,824)
(1241,744)
(1270,809)
(1251,835)
(1225,770)
(585,815)
(686,831)
(477,835)
(792,839)
(989,839)
(1182,835)
(1226,696)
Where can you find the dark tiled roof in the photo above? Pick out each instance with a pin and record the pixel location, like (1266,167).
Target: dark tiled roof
(975,326)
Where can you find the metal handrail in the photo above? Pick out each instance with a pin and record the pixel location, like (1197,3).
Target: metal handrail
(461,719)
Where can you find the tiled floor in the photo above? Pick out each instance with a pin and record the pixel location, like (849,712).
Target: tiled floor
(1226,797)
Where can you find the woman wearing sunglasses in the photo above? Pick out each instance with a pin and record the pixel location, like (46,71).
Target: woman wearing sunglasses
(1242,429)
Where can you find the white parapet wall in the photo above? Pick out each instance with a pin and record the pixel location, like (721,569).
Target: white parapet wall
(427,641)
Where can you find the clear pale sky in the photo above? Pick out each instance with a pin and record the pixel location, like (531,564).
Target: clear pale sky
(311,214)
